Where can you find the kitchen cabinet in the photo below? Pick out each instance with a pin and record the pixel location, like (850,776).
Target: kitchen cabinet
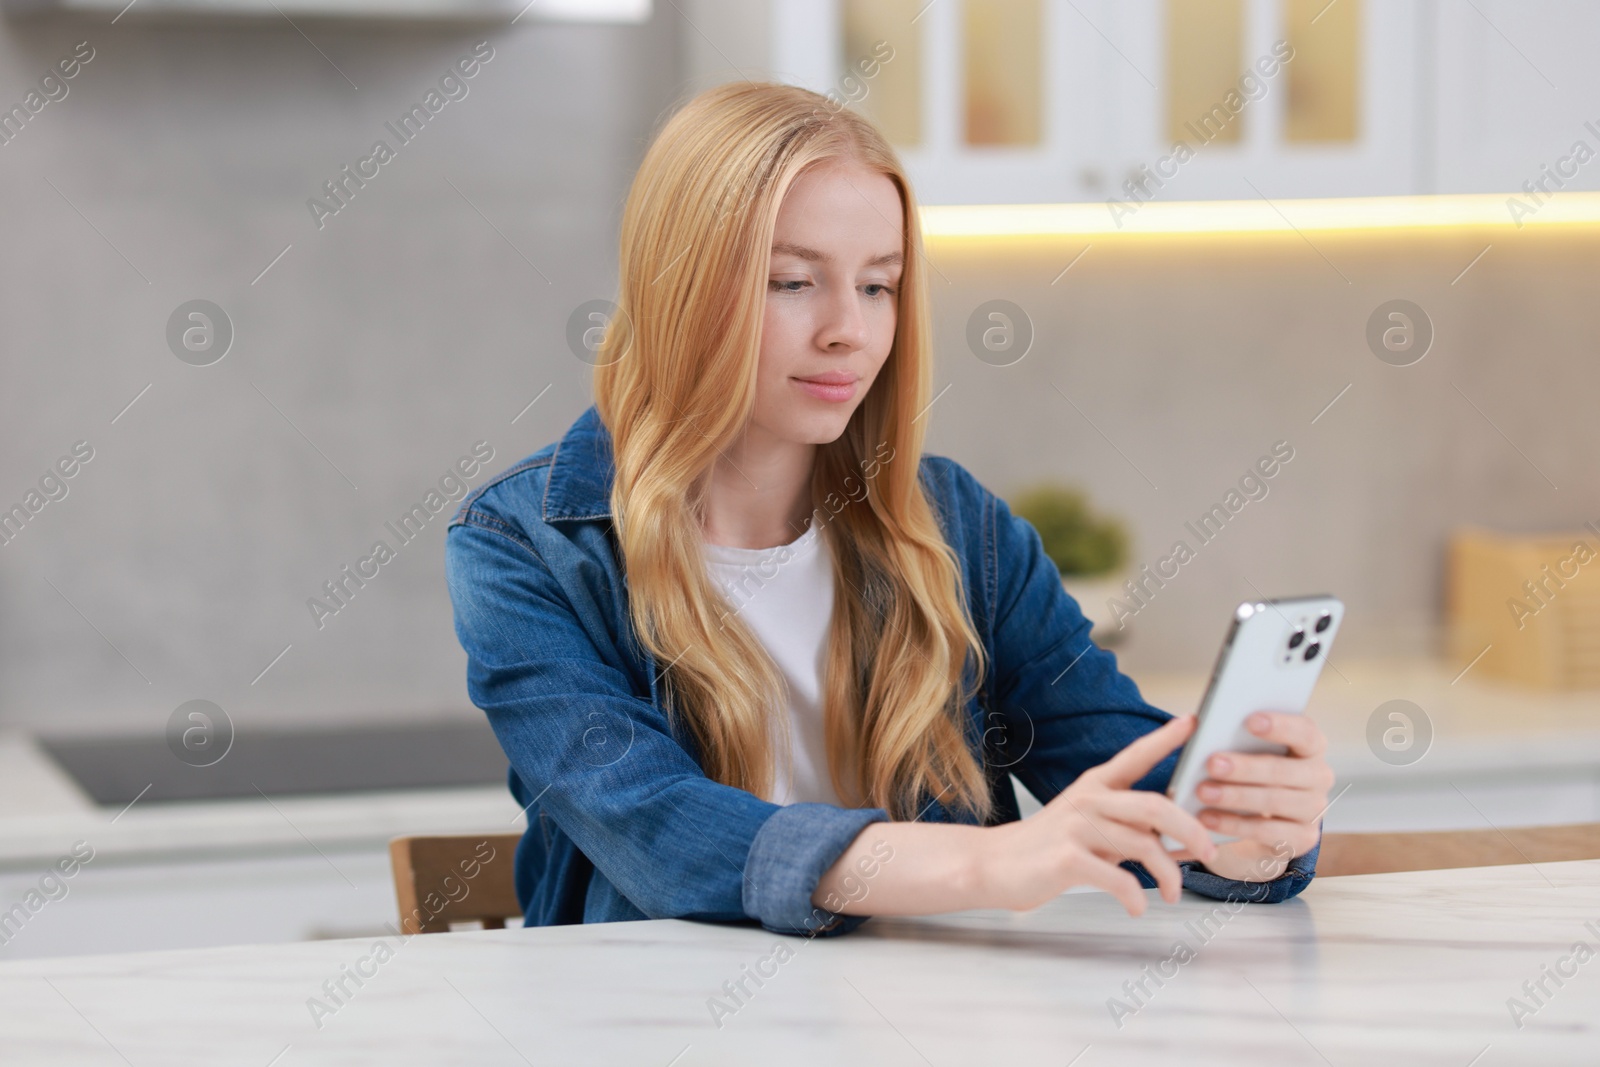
(1306,98)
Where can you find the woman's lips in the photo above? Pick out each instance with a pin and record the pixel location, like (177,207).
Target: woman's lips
(833,388)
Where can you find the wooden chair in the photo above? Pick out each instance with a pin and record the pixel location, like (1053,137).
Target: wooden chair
(462,878)
(1439,850)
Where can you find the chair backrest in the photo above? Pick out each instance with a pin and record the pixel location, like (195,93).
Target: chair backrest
(1438,850)
(460,878)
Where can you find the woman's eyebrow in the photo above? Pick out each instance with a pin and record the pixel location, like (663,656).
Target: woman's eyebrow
(814,256)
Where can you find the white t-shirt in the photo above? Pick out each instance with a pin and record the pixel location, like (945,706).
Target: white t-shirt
(785,596)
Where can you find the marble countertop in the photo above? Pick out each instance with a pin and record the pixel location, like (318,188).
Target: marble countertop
(1412,968)
(43,811)
(1479,727)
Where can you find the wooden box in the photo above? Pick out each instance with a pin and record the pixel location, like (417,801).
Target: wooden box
(1529,604)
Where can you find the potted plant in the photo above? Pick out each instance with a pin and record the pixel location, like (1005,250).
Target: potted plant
(1089,550)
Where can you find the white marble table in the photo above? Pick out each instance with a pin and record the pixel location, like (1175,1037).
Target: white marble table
(1381,969)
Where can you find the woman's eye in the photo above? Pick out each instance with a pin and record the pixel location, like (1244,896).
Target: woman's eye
(874,290)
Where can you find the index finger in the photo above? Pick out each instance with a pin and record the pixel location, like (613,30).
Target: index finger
(1137,760)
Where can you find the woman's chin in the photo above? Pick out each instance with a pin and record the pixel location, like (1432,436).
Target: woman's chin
(812,427)
(824,431)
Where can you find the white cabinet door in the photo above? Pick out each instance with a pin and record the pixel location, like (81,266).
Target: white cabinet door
(1517,87)
(1068,162)
(1106,69)
(1383,159)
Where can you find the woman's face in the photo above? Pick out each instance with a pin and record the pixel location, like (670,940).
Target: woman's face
(832,294)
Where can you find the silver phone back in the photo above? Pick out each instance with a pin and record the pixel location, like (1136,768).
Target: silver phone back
(1256,670)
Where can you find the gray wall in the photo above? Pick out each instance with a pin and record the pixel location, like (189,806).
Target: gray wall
(1192,356)
(403,331)
(409,328)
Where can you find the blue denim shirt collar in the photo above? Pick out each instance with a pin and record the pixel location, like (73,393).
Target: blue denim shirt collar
(579,487)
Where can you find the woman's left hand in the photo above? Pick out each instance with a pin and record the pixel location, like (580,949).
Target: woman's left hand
(1272,804)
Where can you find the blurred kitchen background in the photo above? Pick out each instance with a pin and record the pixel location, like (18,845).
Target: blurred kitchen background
(1166,318)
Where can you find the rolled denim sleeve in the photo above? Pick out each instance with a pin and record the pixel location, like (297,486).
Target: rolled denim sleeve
(1062,695)
(789,856)
(1295,877)
(544,664)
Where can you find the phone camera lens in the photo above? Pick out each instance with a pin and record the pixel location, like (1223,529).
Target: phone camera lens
(1324,622)
(1296,637)
(1311,651)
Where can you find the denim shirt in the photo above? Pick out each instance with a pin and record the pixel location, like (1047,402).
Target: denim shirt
(622,821)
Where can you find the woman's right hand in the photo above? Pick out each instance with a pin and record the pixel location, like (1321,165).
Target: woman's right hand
(1090,827)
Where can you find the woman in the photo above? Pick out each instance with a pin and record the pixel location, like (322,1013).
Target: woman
(751,654)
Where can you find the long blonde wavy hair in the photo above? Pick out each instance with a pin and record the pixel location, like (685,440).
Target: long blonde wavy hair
(675,386)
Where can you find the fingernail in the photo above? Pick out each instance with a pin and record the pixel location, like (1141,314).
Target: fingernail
(1221,764)
(1209,818)
(1209,792)
(1260,724)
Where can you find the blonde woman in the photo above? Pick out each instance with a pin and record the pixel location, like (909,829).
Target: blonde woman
(753,655)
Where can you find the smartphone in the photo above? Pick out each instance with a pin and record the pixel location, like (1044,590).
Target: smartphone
(1270,661)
